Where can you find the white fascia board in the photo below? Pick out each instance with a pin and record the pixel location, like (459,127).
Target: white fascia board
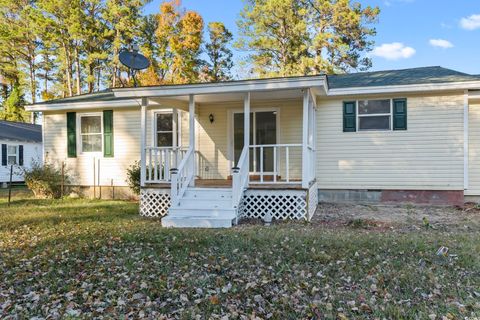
(83,105)
(225,87)
(406,88)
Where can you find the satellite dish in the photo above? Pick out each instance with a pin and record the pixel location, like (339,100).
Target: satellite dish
(134,61)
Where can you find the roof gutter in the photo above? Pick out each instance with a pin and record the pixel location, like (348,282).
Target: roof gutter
(65,105)
(405,88)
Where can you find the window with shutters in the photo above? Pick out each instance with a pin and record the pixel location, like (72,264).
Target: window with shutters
(90,132)
(12,155)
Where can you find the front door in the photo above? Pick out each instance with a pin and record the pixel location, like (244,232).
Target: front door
(263,131)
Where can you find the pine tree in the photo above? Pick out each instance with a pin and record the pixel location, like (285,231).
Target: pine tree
(123,20)
(13,106)
(219,53)
(298,37)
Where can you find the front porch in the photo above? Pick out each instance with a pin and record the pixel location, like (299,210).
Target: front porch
(254,148)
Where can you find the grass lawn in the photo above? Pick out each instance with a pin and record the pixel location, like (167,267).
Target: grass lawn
(84,259)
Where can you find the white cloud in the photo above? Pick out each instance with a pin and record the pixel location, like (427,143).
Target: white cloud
(441,43)
(393,51)
(470,23)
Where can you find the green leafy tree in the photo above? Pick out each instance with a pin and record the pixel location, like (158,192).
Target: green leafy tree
(299,37)
(123,18)
(13,106)
(179,35)
(220,55)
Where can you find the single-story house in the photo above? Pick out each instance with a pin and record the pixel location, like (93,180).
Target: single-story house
(273,148)
(21,145)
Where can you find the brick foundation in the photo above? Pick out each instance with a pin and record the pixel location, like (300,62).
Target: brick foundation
(433,197)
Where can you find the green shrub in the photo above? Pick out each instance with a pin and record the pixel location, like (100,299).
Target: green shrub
(133,177)
(45,180)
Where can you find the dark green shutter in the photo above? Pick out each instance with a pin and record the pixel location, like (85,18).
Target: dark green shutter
(71,134)
(108,133)
(4,154)
(399,114)
(20,155)
(349,117)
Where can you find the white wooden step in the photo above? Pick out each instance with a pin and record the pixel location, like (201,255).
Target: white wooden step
(186,212)
(207,193)
(198,222)
(200,203)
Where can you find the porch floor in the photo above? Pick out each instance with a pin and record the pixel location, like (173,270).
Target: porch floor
(227,183)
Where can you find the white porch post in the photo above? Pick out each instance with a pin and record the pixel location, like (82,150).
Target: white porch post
(143,141)
(246,119)
(305,125)
(191,113)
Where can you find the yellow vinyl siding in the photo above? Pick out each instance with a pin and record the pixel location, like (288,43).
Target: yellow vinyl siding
(212,140)
(427,156)
(126,148)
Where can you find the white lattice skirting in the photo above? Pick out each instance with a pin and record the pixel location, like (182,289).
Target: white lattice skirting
(312,200)
(154,202)
(280,204)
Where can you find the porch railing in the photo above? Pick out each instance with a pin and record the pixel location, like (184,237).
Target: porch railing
(276,163)
(240,177)
(182,176)
(159,161)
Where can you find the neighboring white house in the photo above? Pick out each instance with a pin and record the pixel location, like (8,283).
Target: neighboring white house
(20,144)
(213,152)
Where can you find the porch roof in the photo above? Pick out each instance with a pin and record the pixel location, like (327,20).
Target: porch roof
(316,82)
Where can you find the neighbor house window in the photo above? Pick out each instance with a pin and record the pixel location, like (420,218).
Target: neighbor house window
(12,155)
(165,129)
(91,132)
(374,114)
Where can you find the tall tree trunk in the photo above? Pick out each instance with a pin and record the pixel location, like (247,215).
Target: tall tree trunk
(77,70)
(91,77)
(98,78)
(68,70)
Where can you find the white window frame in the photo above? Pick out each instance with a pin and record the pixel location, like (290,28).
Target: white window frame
(374,115)
(176,126)
(79,131)
(17,154)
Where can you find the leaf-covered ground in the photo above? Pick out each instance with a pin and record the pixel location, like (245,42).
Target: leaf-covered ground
(98,259)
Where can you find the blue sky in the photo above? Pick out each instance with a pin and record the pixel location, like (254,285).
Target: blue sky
(410,33)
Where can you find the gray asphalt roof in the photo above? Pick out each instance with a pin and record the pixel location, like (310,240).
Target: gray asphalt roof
(104,95)
(424,75)
(20,131)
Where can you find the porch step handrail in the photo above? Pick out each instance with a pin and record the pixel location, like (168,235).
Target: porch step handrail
(240,177)
(159,161)
(182,176)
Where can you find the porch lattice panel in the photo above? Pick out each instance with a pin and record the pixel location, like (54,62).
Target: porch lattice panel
(154,202)
(312,200)
(281,204)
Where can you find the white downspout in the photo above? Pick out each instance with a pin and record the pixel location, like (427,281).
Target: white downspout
(143,141)
(465,140)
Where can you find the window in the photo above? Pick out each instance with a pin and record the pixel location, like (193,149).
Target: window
(12,155)
(374,114)
(164,129)
(91,132)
